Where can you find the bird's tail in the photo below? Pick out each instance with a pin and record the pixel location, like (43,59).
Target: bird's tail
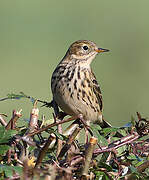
(105,124)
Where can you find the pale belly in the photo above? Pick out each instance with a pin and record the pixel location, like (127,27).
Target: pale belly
(74,106)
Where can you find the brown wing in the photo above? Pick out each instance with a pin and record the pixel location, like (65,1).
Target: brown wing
(96,90)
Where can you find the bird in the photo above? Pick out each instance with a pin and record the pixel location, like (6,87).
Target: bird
(74,86)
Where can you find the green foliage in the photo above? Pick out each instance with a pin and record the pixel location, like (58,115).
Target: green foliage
(8,171)
(4,149)
(5,136)
(95,129)
(20,96)
(101,175)
(114,157)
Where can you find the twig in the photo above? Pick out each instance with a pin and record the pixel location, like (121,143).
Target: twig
(51,125)
(12,122)
(59,127)
(88,155)
(68,143)
(116,144)
(14,177)
(59,142)
(2,120)
(44,150)
(22,95)
(33,123)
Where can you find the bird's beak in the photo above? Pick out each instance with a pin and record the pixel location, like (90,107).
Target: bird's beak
(99,50)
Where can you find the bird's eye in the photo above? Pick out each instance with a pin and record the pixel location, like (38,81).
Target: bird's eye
(85,48)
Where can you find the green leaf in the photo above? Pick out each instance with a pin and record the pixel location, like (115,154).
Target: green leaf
(1,168)
(133,169)
(107,131)
(8,171)
(2,131)
(102,140)
(95,129)
(104,165)
(18,96)
(17,169)
(101,175)
(103,158)
(60,136)
(5,135)
(4,149)
(15,96)
(131,157)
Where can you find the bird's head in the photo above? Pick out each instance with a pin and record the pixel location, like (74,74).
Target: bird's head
(84,50)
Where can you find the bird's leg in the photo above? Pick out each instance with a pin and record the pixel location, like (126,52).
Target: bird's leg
(58,114)
(87,127)
(55,107)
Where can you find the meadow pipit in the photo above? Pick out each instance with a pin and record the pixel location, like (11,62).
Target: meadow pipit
(74,85)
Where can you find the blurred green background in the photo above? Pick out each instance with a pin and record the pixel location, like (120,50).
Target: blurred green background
(35,34)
